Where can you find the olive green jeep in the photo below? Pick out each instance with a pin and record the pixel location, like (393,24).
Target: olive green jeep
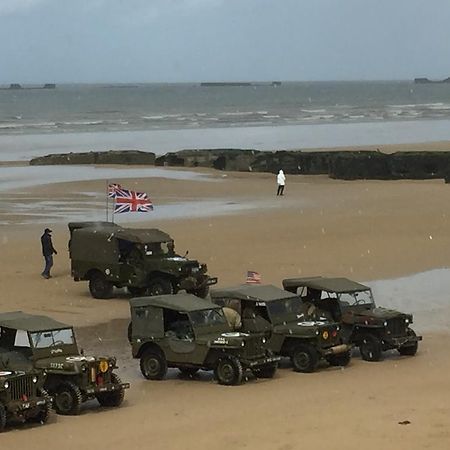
(291,333)
(31,341)
(142,260)
(22,397)
(191,333)
(373,329)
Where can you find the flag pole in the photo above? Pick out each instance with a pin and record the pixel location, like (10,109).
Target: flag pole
(113,209)
(107,197)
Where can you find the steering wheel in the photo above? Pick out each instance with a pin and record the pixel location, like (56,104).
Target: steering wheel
(60,342)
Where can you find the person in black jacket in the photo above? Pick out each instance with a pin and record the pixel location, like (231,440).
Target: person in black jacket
(48,251)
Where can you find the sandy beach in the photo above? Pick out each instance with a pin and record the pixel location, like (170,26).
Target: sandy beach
(370,231)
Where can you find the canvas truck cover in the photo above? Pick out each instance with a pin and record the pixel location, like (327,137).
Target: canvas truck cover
(264,293)
(178,302)
(338,285)
(30,322)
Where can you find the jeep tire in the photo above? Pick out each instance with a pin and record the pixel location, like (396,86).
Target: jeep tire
(112,398)
(44,413)
(99,286)
(410,348)
(229,371)
(159,286)
(304,358)
(370,347)
(153,364)
(68,399)
(2,417)
(340,359)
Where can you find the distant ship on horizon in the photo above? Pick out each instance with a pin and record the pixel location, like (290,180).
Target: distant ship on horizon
(240,83)
(425,80)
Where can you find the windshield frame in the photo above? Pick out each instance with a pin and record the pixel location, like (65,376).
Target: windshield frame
(342,296)
(208,327)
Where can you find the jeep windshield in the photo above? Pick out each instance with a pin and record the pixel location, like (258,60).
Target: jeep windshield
(45,339)
(349,299)
(284,310)
(208,318)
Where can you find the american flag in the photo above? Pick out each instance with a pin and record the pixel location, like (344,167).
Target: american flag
(112,189)
(131,201)
(253,277)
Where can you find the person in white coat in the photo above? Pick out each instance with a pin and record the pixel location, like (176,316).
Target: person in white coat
(281,181)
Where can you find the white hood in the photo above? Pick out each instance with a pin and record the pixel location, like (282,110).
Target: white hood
(280,177)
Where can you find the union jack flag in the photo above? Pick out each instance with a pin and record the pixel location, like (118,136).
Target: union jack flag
(253,277)
(131,201)
(112,189)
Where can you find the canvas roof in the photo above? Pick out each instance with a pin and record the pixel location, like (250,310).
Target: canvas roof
(338,285)
(260,292)
(177,302)
(29,322)
(138,235)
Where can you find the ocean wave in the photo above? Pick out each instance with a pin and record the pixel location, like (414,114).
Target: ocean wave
(80,123)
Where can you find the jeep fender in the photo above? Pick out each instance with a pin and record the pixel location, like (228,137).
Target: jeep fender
(290,342)
(149,346)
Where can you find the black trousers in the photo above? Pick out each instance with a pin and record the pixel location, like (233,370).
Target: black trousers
(280,189)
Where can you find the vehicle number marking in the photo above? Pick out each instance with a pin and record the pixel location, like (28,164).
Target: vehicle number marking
(54,365)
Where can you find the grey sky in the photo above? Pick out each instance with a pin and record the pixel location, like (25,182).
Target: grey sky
(197,40)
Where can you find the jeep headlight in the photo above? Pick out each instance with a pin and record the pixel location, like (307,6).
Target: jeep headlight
(317,332)
(263,340)
(6,384)
(406,320)
(338,328)
(35,379)
(243,344)
(385,324)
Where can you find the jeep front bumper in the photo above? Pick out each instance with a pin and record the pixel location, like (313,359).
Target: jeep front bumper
(260,362)
(94,390)
(398,342)
(337,349)
(27,408)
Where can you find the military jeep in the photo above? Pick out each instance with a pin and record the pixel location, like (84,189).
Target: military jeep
(283,317)
(31,341)
(143,260)
(22,397)
(373,329)
(190,333)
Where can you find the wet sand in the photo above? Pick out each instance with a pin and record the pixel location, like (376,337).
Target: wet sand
(365,230)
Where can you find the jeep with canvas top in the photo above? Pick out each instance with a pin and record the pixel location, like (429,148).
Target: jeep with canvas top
(190,333)
(290,333)
(372,328)
(142,260)
(22,397)
(32,341)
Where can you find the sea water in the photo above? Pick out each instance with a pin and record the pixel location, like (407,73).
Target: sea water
(165,117)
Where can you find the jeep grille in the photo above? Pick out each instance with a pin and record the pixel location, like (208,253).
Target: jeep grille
(254,346)
(21,386)
(396,327)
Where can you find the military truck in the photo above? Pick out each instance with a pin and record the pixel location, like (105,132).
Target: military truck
(143,260)
(22,397)
(190,333)
(373,329)
(290,333)
(32,341)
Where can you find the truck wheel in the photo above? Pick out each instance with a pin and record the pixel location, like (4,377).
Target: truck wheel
(409,349)
(99,286)
(130,332)
(2,417)
(153,365)
(159,286)
(267,371)
(113,398)
(370,347)
(188,371)
(43,415)
(340,360)
(68,399)
(229,371)
(304,358)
